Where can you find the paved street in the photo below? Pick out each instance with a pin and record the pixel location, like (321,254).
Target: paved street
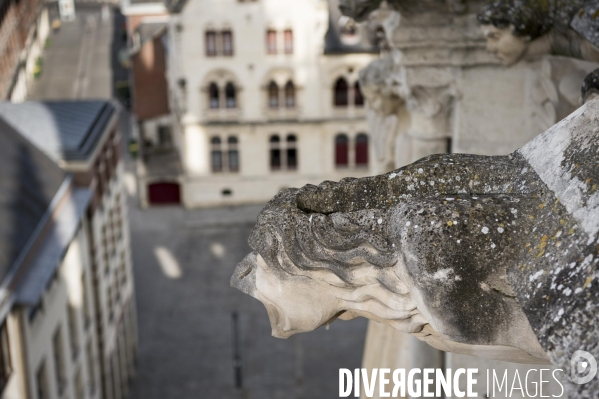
(182,263)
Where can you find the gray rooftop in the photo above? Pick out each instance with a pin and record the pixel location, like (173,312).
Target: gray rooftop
(64,130)
(53,249)
(29,180)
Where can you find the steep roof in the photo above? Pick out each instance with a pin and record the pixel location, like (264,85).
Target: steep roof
(63,130)
(29,181)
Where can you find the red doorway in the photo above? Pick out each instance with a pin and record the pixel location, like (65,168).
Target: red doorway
(164,193)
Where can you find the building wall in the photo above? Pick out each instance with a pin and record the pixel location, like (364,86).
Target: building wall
(149,81)
(62,311)
(23,31)
(112,271)
(314,118)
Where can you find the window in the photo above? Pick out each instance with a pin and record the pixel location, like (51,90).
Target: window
(230,95)
(341,150)
(5,362)
(275,152)
(224,158)
(271,41)
(358,98)
(283,154)
(291,152)
(110,303)
(79,389)
(41,381)
(289,95)
(233,154)
(213,96)
(227,36)
(59,363)
(216,155)
(362,150)
(211,49)
(85,304)
(91,367)
(273,95)
(288,36)
(340,95)
(73,330)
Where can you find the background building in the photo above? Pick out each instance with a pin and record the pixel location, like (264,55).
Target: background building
(24,28)
(268,99)
(69,289)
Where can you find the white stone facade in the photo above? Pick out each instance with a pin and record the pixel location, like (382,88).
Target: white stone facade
(259,110)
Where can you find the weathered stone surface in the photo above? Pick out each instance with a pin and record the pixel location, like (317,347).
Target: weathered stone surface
(526,29)
(488,256)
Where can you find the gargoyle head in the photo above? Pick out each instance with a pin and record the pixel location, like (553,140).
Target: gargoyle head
(309,269)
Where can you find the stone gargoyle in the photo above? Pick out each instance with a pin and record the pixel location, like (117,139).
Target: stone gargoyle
(488,256)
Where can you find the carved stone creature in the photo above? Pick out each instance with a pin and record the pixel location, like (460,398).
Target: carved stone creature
(523,29)
(359,10)
(488,256)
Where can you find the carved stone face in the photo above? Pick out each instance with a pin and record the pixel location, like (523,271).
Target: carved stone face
(508,47)
(294,303)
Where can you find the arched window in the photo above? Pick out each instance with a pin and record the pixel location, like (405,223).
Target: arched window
(361,150)
(216,156)
(291,151)
(233,154)
(341,150)
(341,97)
(289,95)
(275,152)
(358,98)
(213,96)
(230,95)
(273,95)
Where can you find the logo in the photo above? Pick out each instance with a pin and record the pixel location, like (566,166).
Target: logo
(583,367)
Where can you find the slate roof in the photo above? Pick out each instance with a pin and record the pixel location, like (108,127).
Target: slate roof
(64,130)
(53,249)
(29,181)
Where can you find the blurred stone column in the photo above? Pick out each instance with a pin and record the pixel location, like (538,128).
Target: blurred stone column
(411,95)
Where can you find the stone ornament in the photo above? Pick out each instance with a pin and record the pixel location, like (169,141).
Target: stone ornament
(488,256)
(526,29)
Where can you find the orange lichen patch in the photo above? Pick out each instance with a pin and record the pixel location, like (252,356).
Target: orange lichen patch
(542,246)
(541,206)
(531,217)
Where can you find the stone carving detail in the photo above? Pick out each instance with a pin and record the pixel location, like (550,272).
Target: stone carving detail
(488,256)
(526,29)
(381,85)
